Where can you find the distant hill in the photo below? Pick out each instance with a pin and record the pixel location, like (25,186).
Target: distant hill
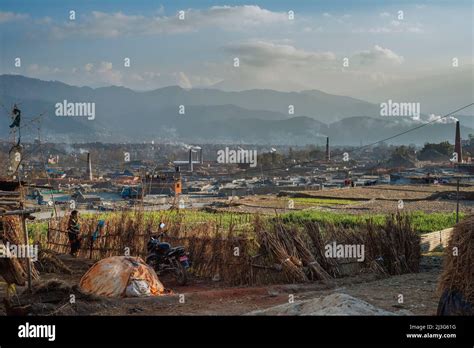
(438,94)
(366,130)
(210,116)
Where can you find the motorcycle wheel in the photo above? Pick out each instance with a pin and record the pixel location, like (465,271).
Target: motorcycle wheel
(180,272)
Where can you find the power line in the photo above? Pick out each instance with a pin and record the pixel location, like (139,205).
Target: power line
(415,128)
(376,142)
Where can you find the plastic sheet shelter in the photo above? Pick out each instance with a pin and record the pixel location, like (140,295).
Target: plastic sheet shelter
(121,276)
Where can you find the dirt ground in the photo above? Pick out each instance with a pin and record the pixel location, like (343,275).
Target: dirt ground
(391,192)
(365,200)
(213,298)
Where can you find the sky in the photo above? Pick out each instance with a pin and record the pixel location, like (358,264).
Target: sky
(378,44)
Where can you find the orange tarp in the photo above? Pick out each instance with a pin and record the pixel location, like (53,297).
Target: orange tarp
(111,276)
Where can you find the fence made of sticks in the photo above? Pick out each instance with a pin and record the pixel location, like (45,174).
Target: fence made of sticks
(259,251)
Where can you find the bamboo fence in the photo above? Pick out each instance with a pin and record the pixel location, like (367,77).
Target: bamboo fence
(259,251)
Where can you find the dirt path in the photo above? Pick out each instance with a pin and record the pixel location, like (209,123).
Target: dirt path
(211,298)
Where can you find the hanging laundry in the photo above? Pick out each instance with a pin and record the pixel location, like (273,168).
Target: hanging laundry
(17,117)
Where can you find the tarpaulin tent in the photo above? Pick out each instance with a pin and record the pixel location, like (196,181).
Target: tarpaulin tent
(121,276)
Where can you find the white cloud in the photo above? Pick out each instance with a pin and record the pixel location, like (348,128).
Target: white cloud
(11,17)
(104,74)
(45,20)
(378,55)
(264,53)
(394,26)
(88,67)
(183,80)
(310,29)
(265,64)
(101,74)
(111,25)
(384,14)
(107,74)
(42,70)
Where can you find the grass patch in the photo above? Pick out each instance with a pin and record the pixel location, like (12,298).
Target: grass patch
(37,231)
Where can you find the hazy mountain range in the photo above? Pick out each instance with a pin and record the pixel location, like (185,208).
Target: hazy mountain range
(441,93)
(210,116)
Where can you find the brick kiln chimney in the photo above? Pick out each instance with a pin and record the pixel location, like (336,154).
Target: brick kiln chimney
(190,159)
(457,142)
(89,166)
(328,153)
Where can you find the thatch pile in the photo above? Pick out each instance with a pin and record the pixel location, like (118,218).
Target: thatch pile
(299,248)
(13,270)
(291,252)
(458,269)
(48,262)
(394,246)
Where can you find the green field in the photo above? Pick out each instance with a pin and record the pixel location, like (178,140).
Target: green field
(183,216)
(422,222)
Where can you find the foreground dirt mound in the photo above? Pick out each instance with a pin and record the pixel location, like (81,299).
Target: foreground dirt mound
(334,304)
(51,297)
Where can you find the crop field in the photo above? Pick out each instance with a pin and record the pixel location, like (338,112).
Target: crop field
(242,223)
(421,222)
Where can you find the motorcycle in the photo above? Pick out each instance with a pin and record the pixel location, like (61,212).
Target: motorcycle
(166,259)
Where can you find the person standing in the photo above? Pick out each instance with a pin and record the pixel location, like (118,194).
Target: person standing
(74,232)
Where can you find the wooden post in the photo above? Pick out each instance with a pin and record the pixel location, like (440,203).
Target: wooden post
(28,262)
(48,233)
(91,245)
(457,201)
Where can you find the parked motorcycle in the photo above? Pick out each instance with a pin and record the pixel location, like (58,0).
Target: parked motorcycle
(166,259)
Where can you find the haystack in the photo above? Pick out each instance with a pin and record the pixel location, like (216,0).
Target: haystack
(12,269)
(456,285)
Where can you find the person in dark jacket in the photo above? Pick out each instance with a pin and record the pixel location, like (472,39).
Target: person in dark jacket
(74,232)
